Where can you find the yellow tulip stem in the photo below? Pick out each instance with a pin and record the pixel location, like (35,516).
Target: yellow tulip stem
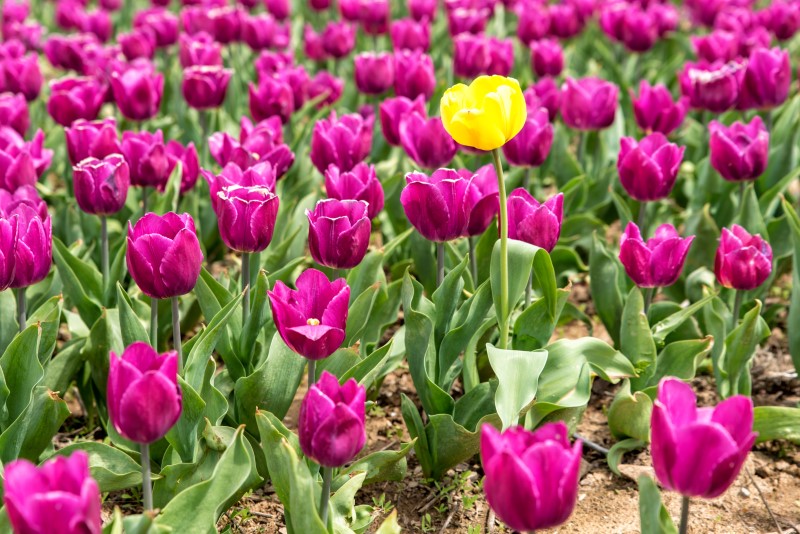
(503,219)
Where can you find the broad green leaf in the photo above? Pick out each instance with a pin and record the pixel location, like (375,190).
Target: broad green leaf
(619,449)
(201,349)
(21,372)
(81,280)
(535,326)
(183,435)
(653,515)
(629,414)
(794,307)
(366,371)
(34,429)
(740,347)
(8,320)
(259,315)
(450,443)
(416,430)
(381,466)
(48,316)
(390,525)
(110,467)
(213,298)
(63,367)
(131,327)
(359,313)
(681,359)
(769,201)
(463,329)
(604,282)
(663,328)
(777,422)
(636,340)
(518,378)
(750,216)
(342,503)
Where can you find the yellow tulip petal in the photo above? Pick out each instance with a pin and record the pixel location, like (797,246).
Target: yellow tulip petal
(478,130)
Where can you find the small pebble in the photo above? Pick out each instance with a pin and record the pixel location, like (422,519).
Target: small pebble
(744,492)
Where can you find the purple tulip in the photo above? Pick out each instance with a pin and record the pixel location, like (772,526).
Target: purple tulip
(547,57)
(195,20)
(98,23)
(319,5)
(161,22)
(699,452)
(254,148)
(360,183)
(59,496)
(246,217)
(656,111)
(269,63)
(338,39)
(374,72)
(298,79)
(101,186)
(24,194)
(144,400)
(190,163)
(648,168)
(21,75)
(22,162)
(75,98)
(374,16)
(467,20)
(629,24)
(312,44)
(258,31)
(342,141)
(312,319)
(740,151)
(531,146)
(743,261)
(426,141)
(783,19)
(326,86)
(439,206)
(137,44)
(767,78)
(588,103)
(147,158)
(565,21)
(199,49)
(488,203)
(533,23)
(471,55)
(271,97)
(418,76)
(350,10)
(338,232)
(716,46)
(96,139)
(408,34)
(394,110)
(8,248)
(33,251)
(14,112)
(69,51)
(280,9)
(546,94)
(163,254)
(226,23)
(657,262)
(531,477)
(137,92)
(713,87)
(204,87)
(332,421)
(68,15)
(534,223)
(15,11)
(259,176)
(422,9)
(501,53)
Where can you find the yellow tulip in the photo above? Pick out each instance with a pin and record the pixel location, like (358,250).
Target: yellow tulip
(486,114)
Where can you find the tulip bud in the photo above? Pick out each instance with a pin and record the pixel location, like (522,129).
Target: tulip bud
(408,34)
(163,254)
(588,103)
(98,23)
(338,232)
(332,421)
(338,39)
(319,5)
(740,151)
(246,217)
(422,9)
(270,63)
(361,183)
(374,16)
(488,203)
(161,22)
(21,162)
(342,141)
(258,31)
(418,76)
(205,87)
(144,400)
(21,75)
(714,87)
(298,80)
(467,20)
(629,24)
(471,56)
(743,261)
(96,139)
(565,21)
(137,44)
(8,249)
(534,223)
(767,78)
(439,206)
(374,73)
(147,158)
(546,94)
(190,163)
(530,147)
(259,176)
(350,10)
(58,496)
(531,477)
(655,111)
(547,58)
(648,169)
(75,98)
(698,452)
(716,46)
(14,112)
(101,186)
(783,19)
(533,23)
(312,44)
(34,244)
(279,9)
(199,49)
(394,110)
(324,84)
(426,141)
(272,97)
(137,92)
(657,262)
(226,23)
(312,319)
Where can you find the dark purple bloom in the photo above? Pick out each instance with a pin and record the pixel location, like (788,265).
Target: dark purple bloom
(743,261)
(657,262)
(418,76)
(426,141)
(714,87)
(656,111)
(530,147)
(648,168)
(394,110)
(535,223)
(101,186)
(96,139)
(342,141)
(588,103)
(75,98)
(439,206)
(338,232)
(246,216)
(739,151)
(360,183)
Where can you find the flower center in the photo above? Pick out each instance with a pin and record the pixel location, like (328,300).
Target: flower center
(312,322)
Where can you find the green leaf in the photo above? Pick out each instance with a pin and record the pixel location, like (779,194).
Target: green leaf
(518,376)
(777,422)
(213,298)
(183,435)
(81,280)
(259,315)
(416,430)
(8,321)
(664,328)
(629,414)
(769,200)
(21,371)
(390,525)
(198,508)
(794,306)
(48,316)
(110,467)
(681,359)
(464,327)
(535,326)
(63,367)
(34,429)
(653,515)
(366,371)
(381,466)
(605,273)
(131,327)
(168,200)
(750,216)
(636,340)
(342,503)
(450,443)
(740,347)
(619,449)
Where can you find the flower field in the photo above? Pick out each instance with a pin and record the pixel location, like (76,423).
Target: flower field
(373,266)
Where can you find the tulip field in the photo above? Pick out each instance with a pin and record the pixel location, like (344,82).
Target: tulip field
(383,266)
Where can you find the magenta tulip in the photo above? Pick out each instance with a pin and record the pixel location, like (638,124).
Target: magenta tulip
(258,31)
(137,44)
(394,110)
(22,162)
(408,34)
(533,23)
(259,176)
(713,87)
(743,261)
(422,9)
(199,49)
(338,232)
(161,22)
(547,57)
(8,248)
(373,72)
(588,103)
(226,23)
(75,98)
(246,217)
(280,9)
(426,141)
(740,151)
(271,97)
(96,139)
(418,76)
(101,186)
(544,93)
(137,92)
(21,74)
(338,39)
(565,21)
(360,183)
(297,78)
(374,16)
(190,163)
(716,46)
(656,111)
(534,223)
(439,206)
(326,87)
(14,112)
(147,158)
(767,78)
(33,251)
(531,146)
(488,203)
(471,56)
(204,87)
(657,262)
(342,141)
(648,168)
(467,20)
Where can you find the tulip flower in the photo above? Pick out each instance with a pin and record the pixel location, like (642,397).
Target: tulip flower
(743,261)
(161,22)
(199,49)
(656,111)
(312,44)
(58,496)
(360,183)
(422,9)
(547,57)
(394,110)
(137,92)
(297,78)
(279,9)
(713,87)
(204,87)
(374,16)
(471,56)
(269,63)
(373,72)
(546,94)
(338,39)
(332,427)
(533,23)
(783,19)
(657,262)
(260,176)
(226,23)
(14,112)
(636,28)
(15,11)
(147,158)
(739,152)
(8,249)
(21,162)
(190,164)
(271,97)
(767,78)
(246,217)
(96,139)
(319,5)
(648,168)
(535,223)
(426,141)
(588,103)
(312,319)
(338,232)
(350,10)
(698,452)
(716,46)
(418,77)
(439,206)
(68,51)
(565,21)
(342,141)
(75,98)
(68,15)
(98,23)
(501,52)
(101,186)
(21,74)
(258,31)
(531,146)
(251,151)
(531,477)
(467,20)
(326,86)
(408,34)
(137,44)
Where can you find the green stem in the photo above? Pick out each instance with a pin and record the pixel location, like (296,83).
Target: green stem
(526,179)
(327,476)
(529,290)
(742,188)
(22,316)
(582,142)
(439,264)
(684,528)
(245,287)
(312,372)
(648,298)
(641,219)
(176,331)
(147,485)
(473,262)
(154,322)
(144,200)
(104,248)
(503,218)
(737,307)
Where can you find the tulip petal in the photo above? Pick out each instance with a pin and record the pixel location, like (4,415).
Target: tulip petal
(339,437)
(148,408)
(511,491)
(701,448)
